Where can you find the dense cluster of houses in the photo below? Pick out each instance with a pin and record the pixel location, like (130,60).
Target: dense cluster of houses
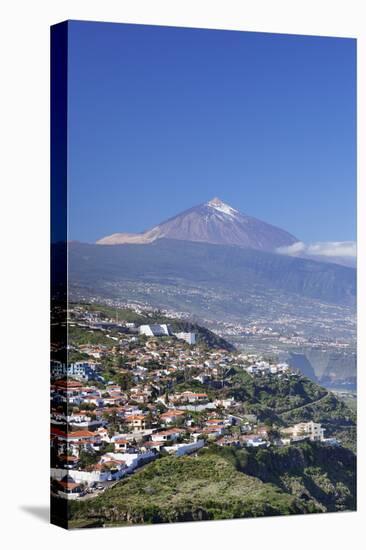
(102,430)
(261,368)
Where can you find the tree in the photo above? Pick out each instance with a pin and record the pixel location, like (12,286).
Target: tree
(86,459)
(124,380)
(121,361)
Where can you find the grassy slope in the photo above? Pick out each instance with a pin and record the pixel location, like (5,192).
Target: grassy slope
(204,335)
(222,483)
(278,394)
(185,489)
(314,473)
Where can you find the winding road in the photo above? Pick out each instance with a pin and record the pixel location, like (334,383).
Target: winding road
(305,405)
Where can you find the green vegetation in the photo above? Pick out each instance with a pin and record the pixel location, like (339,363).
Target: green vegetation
(223,483)
(349,398)
(116,313)
(278,394)
(310,471)
(80,335)
(186,489)
(205,336)
(287,401)
(329,409)
(338,420)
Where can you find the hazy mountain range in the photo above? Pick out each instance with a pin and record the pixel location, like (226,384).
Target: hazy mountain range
(226,268)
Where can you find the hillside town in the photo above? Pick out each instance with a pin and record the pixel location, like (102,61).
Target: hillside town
(133,392)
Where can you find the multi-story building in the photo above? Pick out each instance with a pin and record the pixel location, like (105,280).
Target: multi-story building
(81,370)
(305,430)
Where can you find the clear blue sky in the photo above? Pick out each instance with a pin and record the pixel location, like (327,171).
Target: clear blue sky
(162,119)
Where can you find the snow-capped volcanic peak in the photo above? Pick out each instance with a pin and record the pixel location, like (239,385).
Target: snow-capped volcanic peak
(213,222)
(221,206)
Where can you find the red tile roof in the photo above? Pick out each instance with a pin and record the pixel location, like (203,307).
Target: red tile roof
(68,384)
(81,433)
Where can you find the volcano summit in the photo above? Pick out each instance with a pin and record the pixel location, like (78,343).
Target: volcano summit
(213,222)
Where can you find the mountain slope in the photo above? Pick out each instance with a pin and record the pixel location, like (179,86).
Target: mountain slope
(222,483)
(175,489)
(224,268)
(80,335)
(212,222)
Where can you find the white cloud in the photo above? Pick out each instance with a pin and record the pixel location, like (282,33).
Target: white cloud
(338,251)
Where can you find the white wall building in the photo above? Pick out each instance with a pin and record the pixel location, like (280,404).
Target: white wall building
(189,337)
(302,430)
(154,330)
(129,462)
(181,449)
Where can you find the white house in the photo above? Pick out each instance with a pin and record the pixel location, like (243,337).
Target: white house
(180,449)
(167,435)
